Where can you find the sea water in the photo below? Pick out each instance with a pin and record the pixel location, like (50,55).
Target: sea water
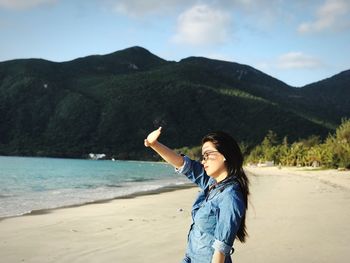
(28,184)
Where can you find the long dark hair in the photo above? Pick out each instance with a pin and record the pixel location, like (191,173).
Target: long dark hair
(229,148)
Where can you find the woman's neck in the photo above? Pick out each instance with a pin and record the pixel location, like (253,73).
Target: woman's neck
(222,176)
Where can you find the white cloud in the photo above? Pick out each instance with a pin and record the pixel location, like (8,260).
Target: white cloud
(146,7)
(297,60)
(202,25)
(137,8)
(23,4)
(332,15)
(261,14)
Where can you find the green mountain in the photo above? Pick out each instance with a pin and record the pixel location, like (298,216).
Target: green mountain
(109,103)
(332,96)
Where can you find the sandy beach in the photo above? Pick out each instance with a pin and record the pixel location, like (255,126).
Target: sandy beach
(295,215)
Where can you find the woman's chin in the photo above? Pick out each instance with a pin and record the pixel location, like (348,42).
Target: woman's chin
(210,174)
(207,171)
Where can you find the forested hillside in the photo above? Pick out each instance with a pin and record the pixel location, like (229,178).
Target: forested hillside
(109,103)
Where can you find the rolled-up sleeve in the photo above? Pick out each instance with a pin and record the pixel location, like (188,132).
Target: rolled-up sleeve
(222,247)
(194,171)
(185,167)
(229,217)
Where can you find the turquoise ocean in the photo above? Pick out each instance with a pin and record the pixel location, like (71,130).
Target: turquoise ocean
(30,184)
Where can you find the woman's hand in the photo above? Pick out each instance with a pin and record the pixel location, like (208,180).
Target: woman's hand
(152,137)
(166,153)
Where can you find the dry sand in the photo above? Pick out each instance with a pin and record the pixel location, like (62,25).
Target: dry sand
(295,215)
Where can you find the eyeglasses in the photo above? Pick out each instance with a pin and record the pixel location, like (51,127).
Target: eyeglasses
(205,156)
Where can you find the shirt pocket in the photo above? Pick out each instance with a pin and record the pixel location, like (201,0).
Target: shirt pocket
(206,218)
(201,243)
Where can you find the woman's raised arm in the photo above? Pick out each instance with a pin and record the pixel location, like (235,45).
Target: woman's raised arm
(166,153)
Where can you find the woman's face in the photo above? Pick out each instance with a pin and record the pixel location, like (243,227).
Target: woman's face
(213,161)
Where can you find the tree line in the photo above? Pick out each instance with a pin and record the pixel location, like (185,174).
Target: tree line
(333,152)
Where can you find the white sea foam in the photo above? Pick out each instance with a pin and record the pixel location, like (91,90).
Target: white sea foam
(45,183)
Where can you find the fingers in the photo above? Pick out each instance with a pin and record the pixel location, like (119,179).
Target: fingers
(152,137)
(146,143)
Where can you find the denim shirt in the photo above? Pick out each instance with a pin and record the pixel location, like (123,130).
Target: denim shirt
(216,215)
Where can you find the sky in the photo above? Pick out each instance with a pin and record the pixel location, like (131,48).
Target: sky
(296,41)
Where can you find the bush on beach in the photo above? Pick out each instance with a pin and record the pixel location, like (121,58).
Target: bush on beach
(334,152)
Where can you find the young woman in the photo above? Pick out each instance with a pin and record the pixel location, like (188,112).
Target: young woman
(218,213)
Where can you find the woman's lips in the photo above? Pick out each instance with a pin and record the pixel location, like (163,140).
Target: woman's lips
(205,167)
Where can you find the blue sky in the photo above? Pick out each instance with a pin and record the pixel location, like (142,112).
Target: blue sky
(298,42)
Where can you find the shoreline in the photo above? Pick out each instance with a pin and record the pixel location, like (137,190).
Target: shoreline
(125,230)
(325,176)
(160,190)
